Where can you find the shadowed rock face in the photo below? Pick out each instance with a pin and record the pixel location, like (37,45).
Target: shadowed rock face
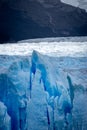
(27,19)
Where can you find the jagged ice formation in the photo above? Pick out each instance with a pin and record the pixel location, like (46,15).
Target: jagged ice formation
(43,93)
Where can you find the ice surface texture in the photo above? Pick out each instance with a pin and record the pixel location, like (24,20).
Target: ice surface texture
(43,93)
(5,122)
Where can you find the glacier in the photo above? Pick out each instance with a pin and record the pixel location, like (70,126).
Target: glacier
(41,92)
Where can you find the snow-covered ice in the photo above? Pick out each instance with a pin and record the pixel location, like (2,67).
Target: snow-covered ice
(73,49)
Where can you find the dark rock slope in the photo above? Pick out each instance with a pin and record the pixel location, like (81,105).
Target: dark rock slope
(25,19)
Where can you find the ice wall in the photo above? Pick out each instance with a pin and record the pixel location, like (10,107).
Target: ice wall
(44,93)
(13,89)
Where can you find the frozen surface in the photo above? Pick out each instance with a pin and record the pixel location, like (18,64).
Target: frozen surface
(44,92)
(70,46)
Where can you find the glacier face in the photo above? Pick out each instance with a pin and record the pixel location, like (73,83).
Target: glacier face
(43,93)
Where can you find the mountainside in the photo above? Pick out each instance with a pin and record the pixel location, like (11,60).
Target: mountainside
(36,19)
